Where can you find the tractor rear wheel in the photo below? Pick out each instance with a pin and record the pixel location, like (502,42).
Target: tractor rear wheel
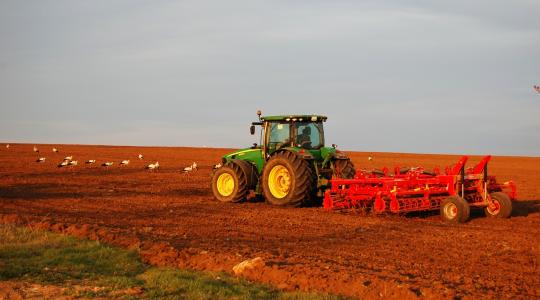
(344,168)
(288,180)
(230,183)
(455,209)
(502,206)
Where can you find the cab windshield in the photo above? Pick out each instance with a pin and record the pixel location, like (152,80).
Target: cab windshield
(279,135)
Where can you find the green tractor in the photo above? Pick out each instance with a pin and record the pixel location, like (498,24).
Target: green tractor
(291,166)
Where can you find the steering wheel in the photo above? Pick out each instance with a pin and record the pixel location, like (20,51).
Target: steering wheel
(305,144)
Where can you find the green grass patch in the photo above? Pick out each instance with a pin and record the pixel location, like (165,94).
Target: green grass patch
(48,258)
(168,283)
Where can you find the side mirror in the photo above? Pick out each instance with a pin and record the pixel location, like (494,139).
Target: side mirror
(252,129)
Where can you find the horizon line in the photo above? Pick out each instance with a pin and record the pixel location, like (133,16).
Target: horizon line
(236,148)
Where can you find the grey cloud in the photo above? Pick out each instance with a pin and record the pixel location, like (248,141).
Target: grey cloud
(392,75)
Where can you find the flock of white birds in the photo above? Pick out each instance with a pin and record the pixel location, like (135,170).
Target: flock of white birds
(68,161)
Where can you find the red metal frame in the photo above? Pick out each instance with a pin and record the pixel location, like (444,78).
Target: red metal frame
(416,189)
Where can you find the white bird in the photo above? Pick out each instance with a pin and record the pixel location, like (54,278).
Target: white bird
(153,166)
(41,159)
(537,88)
(73,163)
(107,164)
(370,158)
(54,150)
(68,157)
(91,161)
(217,166)
(36,149)
(63,164)
(7,146)
(124,162)
(190,168)
(141,156)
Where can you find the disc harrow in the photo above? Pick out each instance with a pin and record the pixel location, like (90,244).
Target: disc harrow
(404,190)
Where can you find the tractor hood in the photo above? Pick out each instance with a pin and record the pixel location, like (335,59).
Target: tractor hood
(253,155)
(241,153)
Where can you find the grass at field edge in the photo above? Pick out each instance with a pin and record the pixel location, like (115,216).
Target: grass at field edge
(101,270)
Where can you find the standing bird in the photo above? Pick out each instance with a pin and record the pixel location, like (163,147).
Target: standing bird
(217,166)
(41,159)
(153,166)
(36,149)
(536,88)
(90,161)
(107,164)
(370,158)
(124,162)
(141,156)
(190,168)
(7,146)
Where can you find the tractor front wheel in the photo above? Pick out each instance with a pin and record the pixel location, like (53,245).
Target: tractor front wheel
(455,209)
(229,183)
(502,206)
(288,180)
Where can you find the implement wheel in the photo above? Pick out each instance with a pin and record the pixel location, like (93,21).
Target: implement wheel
(230,183)
(288,180)
(455,209)
(502,206)
(344,168)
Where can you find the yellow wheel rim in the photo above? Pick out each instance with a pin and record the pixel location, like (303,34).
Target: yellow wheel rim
(279,181)
(225,184)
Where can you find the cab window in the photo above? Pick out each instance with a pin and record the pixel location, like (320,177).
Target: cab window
(309,135)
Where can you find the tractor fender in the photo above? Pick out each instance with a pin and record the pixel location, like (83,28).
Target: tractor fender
(249,169)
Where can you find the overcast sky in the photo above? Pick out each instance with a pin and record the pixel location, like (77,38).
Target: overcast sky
(394,76)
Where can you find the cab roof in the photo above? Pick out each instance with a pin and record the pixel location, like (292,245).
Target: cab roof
(287,118)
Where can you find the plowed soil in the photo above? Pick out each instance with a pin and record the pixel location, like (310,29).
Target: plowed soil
(172,219)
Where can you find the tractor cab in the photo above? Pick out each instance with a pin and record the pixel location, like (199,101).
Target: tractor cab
(296,131)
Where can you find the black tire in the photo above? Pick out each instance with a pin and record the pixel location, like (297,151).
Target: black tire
(404,170)
(302,181)
(240,188)
(249,169)
(429,173)
(504,204)
(455,209)
(344,168)
(378,173)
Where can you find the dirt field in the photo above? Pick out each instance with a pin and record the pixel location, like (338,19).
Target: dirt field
(172,219)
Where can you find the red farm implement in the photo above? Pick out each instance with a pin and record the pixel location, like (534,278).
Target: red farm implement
(416,189)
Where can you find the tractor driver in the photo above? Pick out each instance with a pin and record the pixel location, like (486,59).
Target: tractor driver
(304,139)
